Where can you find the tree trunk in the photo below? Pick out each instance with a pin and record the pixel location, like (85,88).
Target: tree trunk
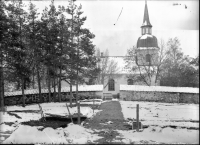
(49,86)
(77,100)
(33,83)
(77,97)
(54,88)
(59,86)
(25,84)
(23,95)
(71,95)
(18,85)
(39,84)
(1,84)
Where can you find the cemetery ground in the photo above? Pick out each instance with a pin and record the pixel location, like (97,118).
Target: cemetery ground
(102,122)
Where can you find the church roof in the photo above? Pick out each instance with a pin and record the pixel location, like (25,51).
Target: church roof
(147,40)
(146,21)
(121,63)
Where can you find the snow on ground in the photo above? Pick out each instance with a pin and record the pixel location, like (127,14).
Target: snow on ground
(159,89)
(91,101)
(81,88)
(73,134)
(115,99)
(159,117)
(159,135)
(4,127)
(160,111)
(24,117)
(52,108)
(27,134)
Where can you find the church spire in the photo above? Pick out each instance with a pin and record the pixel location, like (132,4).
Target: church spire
(146,21)
(146,25)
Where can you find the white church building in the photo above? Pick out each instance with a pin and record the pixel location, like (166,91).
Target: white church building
(146,55)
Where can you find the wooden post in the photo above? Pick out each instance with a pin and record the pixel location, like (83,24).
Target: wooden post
(69,113)
(178,96)
(137,117)
(93,105)
(79,113)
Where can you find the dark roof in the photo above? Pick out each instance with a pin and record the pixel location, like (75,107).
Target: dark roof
(147,41)
(146,21)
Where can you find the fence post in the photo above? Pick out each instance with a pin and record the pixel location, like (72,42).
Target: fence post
(178,97)
(137,117)
(93,105)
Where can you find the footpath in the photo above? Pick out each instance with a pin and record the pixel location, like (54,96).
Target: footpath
(108,120)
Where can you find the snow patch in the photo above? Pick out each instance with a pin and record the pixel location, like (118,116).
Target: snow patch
(158,135)
(71,134)
(114,99)
(82,88)
(162,114)
(51,108)
(158,89)
(146,36)
(4,128)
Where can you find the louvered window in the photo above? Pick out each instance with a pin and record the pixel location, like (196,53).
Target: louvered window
(148,58)
(130,82)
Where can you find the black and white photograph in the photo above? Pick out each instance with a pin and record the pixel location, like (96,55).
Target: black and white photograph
(99,72)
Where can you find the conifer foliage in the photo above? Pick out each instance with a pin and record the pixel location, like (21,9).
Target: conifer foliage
(40,51)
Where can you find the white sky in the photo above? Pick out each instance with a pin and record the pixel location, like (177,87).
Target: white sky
(168,21)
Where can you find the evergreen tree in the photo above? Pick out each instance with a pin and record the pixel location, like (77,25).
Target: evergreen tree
(17,56)
(62,47)
(48,41)
(35,53)
(4,28)
(84,49)
(71,45)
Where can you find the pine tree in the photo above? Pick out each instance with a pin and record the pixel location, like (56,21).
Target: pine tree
(71,74)
(81,48)
(4,27)
(63,47)
(17,57)
(32,31)
(49,39)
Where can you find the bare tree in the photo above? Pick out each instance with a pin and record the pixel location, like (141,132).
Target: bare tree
(109,68)
(143,70)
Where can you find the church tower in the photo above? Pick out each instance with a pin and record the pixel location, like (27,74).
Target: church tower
(147,46)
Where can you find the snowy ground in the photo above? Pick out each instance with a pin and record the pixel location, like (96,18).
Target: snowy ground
(157,117)
(24,133)
(160,117)
(51,108)
(73,134)
(152,113)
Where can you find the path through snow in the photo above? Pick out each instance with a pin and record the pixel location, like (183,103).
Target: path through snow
(107,121)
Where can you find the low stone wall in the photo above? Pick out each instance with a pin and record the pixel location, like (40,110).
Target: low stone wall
(34,98)
(167,97)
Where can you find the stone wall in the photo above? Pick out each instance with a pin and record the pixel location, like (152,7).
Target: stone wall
(34,98)
(167,97)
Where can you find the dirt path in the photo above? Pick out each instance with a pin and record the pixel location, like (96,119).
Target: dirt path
(111,111)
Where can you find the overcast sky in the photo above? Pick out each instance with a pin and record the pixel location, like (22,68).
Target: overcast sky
(168,21)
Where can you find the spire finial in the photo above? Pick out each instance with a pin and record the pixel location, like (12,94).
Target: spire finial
(145,1)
